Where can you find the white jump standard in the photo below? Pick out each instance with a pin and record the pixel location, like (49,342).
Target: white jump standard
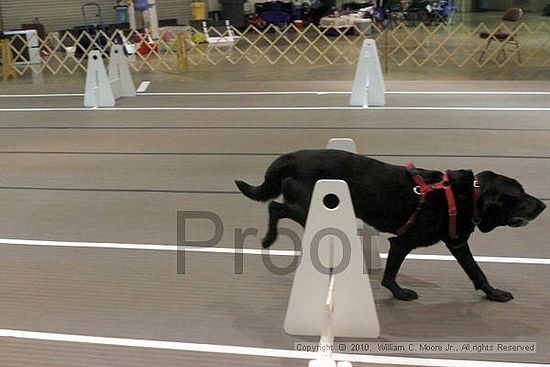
(368,85)
(102,89)
(370,236)
(331,295)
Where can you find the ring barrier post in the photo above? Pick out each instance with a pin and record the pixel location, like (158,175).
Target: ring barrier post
(368,85)
(8,67)
(331,295)
(102,88)
(181,51)
(370,236)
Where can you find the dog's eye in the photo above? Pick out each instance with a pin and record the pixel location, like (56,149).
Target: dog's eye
(511,198)
(515,192)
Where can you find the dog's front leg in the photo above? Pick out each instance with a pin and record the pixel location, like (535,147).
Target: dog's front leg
(398,252)
(466,260)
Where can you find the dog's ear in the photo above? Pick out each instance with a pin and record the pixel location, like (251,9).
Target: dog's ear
(462,179)
(488,198)
(490,190)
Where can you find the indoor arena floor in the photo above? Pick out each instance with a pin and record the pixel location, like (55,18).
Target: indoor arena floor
(89,220)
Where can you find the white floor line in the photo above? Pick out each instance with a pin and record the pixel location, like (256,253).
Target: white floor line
(487,93)
(288,93)
(417,92)
(264,108)
(49,95)
(230,250)
(174,108)
(460,108)
(136,246)
(168,94)
(253,351)
(484,259)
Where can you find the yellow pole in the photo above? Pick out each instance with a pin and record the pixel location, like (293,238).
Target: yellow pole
(182,53)
(8,68)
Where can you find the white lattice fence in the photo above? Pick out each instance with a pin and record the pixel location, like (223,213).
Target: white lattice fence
(462,46)
(290,45)
(66,53)
(420,46)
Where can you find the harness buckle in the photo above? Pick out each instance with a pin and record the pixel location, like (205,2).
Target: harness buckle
(453,212)
(476,184)
(417,190)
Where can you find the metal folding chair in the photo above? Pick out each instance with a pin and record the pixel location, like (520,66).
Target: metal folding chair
(512,15)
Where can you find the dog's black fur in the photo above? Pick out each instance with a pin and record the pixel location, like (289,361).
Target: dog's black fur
(383,197)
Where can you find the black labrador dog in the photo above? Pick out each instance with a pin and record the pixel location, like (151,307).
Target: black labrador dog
(384,197)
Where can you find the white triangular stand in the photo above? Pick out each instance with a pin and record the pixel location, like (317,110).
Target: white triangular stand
(345,144)
(369,235)
(119,74)
(337,302)
(368,85)
(98,91)
(103,89)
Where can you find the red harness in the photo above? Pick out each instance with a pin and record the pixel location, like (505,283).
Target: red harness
(423,189)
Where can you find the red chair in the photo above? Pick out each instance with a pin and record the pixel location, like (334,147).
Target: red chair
(511,15)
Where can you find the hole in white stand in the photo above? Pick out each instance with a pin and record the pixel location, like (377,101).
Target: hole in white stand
(331,201)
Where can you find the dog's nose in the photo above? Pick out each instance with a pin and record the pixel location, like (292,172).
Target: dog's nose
(538,208)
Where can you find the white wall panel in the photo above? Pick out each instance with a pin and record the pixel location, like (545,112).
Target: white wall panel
(64,14)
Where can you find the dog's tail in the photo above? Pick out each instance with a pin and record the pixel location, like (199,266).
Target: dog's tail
(271,188)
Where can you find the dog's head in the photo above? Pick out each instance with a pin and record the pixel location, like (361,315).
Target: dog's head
(504,202)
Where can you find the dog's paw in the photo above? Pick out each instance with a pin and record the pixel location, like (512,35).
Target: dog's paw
(405,294)
(498,295)
(268,240)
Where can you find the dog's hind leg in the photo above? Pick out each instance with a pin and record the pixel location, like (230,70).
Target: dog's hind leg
(466,260)
(279,211)
(398,252)
(297,194)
